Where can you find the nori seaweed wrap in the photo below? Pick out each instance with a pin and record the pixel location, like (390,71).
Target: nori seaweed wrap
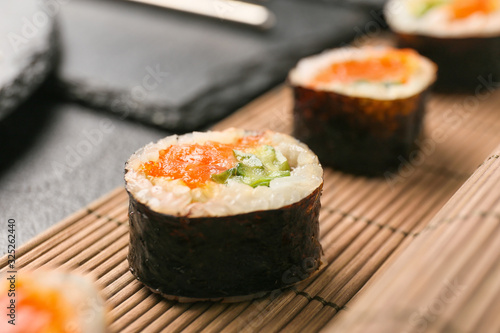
(461,36)
(361,110)
(223,215)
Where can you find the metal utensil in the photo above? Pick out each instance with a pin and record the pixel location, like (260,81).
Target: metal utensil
(226,10)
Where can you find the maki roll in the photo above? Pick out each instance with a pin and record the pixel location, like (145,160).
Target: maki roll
(223,215)
(361,109)
(461,36)
(45,301)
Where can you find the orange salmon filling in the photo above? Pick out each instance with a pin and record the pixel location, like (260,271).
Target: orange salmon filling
(394,65)
(39,310)
(464,8)
(195,163)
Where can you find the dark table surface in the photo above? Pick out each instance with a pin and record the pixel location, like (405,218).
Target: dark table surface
(58,155)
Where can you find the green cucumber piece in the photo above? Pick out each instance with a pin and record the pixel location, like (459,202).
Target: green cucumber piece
(392,83)
(222,177)
(272,159)
(257,168)
(421,7)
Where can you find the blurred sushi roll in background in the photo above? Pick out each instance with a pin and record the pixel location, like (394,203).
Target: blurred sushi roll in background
(361,109)
(45,301)
(461,36)
(223,215)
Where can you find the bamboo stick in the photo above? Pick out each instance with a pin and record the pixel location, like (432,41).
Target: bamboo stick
(448,278)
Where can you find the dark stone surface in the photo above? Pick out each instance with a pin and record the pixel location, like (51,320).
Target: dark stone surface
(205,68)
(28,50)
(368,4)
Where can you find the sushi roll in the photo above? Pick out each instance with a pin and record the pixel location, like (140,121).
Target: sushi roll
(361,109)
(44,301)
(461,36)
(223,214)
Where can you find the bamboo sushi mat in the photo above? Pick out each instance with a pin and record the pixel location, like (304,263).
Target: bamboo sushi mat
(364,225)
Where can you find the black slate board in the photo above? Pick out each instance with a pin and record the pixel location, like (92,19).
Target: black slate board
(376,5)
(207,67)
(28,49)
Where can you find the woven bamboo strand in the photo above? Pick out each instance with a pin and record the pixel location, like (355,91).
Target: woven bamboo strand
(122,283)
(92,240)
(96,248)
(121,319)
(252,315)
(186,317)
(330,215)
(66,240)
(210,314)
(100,258)
(88,235)
(129,286)
(450,250)
(132,301)
(226,317)
(140,323)
(167,317)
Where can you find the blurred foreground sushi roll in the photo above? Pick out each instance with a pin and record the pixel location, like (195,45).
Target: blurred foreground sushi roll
(361,109)
(223,215)
(461,36)
(44,301)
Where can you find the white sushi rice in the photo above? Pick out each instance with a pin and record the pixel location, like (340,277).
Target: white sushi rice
(437,22)
(308,68)
(174,198)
